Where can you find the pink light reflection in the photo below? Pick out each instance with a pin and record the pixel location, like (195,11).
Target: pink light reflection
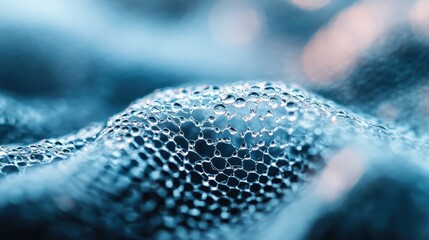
(419,17)
(340,175)
(333,51)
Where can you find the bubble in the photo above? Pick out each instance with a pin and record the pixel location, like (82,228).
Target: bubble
(152,120)
(211,119)
(22,159)
(177,106)
(253,96)
(229,99)
(270,91)
(291,106)
(239,102)
(220,109)
(274,102)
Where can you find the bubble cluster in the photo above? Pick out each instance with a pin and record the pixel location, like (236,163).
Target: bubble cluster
(188,163)
(18,159)
(225,153)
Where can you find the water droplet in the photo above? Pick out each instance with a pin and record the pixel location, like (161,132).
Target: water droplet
(239,102)
(291,106)
(152,121)
(217,153)
(274,102)
(233,131)
(219,109)
(270,90)
(253,96)
(229,99)
(177,107)
(285,95)
(153,109)
(166,131)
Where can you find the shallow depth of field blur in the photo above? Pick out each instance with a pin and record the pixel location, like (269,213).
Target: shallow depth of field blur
(91,58)
(371,55)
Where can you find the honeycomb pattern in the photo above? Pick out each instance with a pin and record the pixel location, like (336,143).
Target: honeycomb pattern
(18,159)
(186,163)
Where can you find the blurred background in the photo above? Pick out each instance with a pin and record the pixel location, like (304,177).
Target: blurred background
(99,55)
(65,64)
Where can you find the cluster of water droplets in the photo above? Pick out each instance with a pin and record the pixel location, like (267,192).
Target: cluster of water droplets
(16,159)
(189,162)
